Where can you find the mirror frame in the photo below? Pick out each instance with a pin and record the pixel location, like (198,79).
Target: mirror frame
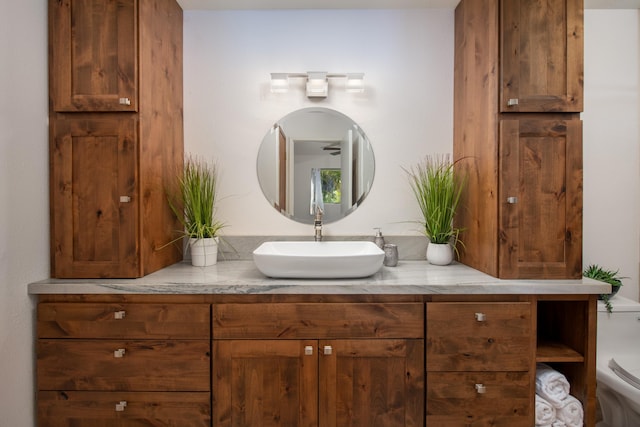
(308,140)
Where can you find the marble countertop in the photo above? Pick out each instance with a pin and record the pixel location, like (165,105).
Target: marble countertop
(242,277)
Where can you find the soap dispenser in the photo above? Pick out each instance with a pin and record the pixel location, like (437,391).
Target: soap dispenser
(378,239)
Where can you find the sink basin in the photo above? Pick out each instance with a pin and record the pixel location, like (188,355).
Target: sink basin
(318,260)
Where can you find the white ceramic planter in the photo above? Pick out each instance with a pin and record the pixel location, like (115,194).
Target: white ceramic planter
(204,252)
(439,253)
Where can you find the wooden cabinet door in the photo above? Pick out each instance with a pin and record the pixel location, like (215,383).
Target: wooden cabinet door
(117,409)
(541,61)
(265,383)
(94,198)
(540,199)
(93,49)
(377,383)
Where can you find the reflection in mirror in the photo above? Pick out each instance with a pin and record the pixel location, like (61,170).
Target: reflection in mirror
(315,158)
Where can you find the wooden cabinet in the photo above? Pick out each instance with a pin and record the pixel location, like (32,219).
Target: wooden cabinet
(116,135)
(94,55)
(123,364)
(539,193)
(541,56)
(291,360)
(479,359)
(518,81)
(318,364)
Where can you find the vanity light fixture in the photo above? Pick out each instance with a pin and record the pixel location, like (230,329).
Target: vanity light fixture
(317,84)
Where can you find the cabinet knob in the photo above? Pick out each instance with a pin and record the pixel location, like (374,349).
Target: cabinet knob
(327,350)
(308,350)
(481,317)
(121,405)
(119,315)
(125,199)
(512,101)
(124,101)
(119,353)
(512,200)
(481,389)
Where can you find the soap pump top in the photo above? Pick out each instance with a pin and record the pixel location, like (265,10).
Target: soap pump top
(378,239)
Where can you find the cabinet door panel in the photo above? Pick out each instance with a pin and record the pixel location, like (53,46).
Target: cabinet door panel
(94,198)
(540,194)
(373,383)
(106,409)
(453,399)
(265,383)
(111,320)
(93,55)
(144,365)
(542,56)
(458,341)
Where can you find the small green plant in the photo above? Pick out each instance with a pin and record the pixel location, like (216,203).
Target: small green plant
(437,192)
(611,277)
(194,199)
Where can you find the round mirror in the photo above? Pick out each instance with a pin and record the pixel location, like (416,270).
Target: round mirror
(315,159)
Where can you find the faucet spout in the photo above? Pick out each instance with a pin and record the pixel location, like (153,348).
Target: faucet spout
(317,225)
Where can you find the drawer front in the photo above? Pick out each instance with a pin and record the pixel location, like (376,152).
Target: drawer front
(139,321)
(317,321)
(145,365)
(479,336)
(116,409)
(479,399)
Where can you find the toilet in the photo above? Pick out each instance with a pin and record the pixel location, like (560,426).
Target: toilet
(618,363)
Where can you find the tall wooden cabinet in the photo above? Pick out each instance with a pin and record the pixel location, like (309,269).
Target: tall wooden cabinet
(518,82)
(116,135)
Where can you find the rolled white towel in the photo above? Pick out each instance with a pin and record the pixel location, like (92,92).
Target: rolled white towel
(545,412)
(551,384)
(558,423)
(570,412)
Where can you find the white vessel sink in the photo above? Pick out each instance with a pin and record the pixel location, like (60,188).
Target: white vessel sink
(318,260)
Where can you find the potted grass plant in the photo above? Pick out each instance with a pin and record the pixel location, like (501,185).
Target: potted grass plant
(596,272)
(437,192)
(193,201)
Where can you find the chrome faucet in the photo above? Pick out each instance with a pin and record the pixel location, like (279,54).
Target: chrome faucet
(317,225)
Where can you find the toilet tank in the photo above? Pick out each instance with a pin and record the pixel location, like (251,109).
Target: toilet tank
(621,328)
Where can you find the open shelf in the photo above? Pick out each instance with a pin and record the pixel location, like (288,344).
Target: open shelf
(549,351)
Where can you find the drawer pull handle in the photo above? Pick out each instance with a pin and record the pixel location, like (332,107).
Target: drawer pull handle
(512,102)
(119,353)
(124,101)
(120,406)
(481,389)
(308,350)
(481,317)
(119,315)
(327,350)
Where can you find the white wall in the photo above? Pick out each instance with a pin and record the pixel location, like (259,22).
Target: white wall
(406,113)
(612,144)
(24,201)
(406,109)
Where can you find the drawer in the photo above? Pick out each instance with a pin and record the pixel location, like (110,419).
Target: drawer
(116,409)
(144,365)
(479,336)
(95,320)
(479,399)
(318,320)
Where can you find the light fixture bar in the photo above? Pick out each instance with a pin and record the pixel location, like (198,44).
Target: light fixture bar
(317,85)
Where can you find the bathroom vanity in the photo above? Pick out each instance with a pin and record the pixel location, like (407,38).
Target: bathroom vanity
(413,345)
